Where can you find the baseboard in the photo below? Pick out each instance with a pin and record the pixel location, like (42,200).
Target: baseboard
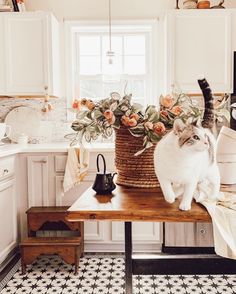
(187,250)
(9,262)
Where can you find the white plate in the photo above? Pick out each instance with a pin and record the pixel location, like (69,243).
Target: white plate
(23,120)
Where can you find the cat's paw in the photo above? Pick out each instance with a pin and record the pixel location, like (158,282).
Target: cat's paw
(169,199)
(185,206)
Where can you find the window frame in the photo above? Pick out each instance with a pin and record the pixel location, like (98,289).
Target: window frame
(72,28)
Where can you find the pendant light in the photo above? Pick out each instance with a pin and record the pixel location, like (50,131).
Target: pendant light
(110,54)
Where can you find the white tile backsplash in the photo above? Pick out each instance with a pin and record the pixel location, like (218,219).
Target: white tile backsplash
(58,116)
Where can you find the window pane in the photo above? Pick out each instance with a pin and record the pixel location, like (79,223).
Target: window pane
(134,45)
(99,89)
(91,89)
(136,88)
(89,45)
(134,65)
(116,45)
(89,65)
(114,68)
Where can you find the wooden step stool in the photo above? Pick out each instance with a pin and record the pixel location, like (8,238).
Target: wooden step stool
(69,248)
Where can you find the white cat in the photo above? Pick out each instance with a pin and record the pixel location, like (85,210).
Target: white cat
(185,157)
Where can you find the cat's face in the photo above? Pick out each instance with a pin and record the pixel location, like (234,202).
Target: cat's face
(191,136)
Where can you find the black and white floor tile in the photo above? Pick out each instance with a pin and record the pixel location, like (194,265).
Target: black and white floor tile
(105,275)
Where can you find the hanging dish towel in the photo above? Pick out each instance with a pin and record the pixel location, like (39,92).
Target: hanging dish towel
(223,214)
(76,167)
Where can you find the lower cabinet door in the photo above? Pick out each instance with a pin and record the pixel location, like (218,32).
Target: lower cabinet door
(8,219)
(146,236)
(188,235)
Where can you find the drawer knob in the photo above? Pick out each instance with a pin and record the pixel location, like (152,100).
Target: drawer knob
(41,161)
(5,171)
(203,231)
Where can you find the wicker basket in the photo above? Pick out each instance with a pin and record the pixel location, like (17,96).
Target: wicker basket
(133,171)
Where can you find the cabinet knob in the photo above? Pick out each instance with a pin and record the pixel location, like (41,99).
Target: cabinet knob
(203,231)
(5,171)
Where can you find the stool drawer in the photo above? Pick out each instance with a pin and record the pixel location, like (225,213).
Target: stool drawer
(52,241)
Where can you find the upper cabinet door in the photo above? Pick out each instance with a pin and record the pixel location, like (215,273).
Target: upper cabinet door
(2,57)
(199,44)
(32,56)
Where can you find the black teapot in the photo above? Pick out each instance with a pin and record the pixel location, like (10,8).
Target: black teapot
(103,183)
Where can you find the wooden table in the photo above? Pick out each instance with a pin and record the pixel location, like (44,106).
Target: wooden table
(136,204)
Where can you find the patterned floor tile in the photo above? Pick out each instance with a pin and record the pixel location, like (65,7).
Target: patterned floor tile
(105,275)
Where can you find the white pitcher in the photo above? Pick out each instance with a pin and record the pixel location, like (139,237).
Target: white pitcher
(5,130)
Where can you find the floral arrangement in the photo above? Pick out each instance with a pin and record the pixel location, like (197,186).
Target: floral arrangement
(102,117)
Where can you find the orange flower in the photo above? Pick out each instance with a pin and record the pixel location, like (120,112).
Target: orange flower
(176,110)
(90,105)
(148,125)
(83,101)
(112,120)
(108,114)
(125,120)
(135,116)
(164,113)
(76,104)
(132,122)
(159,128)
(167,101)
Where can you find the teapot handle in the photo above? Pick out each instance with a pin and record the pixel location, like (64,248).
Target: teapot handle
(104,163)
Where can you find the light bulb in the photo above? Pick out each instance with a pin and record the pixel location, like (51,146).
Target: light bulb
(110,55)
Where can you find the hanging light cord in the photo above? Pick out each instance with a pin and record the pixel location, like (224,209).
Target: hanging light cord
(110,23)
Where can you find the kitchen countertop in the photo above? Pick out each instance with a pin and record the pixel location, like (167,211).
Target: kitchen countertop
(10,149)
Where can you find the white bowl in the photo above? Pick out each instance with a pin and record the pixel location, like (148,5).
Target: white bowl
(226,141)
(227,168)
(227,172)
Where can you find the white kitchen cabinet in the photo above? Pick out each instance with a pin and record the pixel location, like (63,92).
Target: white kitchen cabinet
(29,53)
(198,42)
(38,183)
(8,210)
(2,58)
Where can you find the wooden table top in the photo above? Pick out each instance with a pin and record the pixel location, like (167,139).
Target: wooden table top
(133,204)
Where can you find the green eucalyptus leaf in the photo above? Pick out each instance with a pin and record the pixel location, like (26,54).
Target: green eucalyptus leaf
(115,96)
(97,114)
(154,117)
(150,110)
(82,114)
(140,152)
(94,135)
(113,106)
(124,108)
(108,131)
(136,107)
(154,137)
(223,112)
(87,136)
(137,131)
(77,126)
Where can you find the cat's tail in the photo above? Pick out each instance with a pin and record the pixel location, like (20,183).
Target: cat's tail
(208,116)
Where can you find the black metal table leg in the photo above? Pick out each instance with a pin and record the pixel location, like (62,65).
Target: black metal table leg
(128,258)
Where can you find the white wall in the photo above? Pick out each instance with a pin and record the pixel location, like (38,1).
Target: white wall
(98,9)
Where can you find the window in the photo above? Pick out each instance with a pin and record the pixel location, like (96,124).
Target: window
(133,70)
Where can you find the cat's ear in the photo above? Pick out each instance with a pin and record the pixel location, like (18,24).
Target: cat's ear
(179,126)
(197,123)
